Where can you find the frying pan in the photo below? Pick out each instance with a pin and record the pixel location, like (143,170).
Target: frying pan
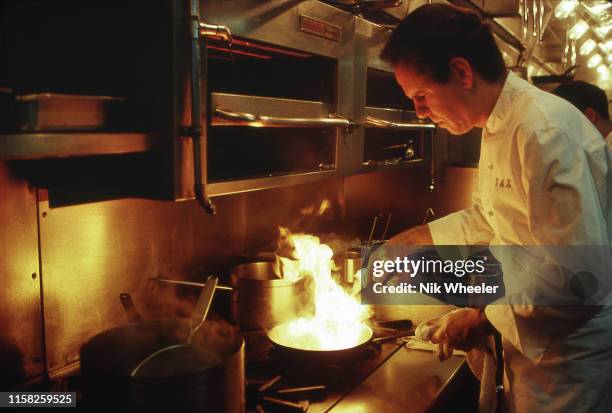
(294,348)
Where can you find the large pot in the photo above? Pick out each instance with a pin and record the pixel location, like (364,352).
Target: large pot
(210,379)
(260,299)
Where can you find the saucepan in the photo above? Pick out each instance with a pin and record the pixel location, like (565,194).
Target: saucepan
(260,298)
(263,300)
(208,377)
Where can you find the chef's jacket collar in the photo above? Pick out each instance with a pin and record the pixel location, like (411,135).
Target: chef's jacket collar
(501,113)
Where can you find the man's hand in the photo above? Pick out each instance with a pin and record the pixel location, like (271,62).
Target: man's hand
(463,329)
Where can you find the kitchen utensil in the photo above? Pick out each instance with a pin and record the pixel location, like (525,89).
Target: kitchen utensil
(259,298)
(296,348)
(190,283)
(262,300)
(212,380)
(351,264)
(210,376)
(132,314)
(177,355)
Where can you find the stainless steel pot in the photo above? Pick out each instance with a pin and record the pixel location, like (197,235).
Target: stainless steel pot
(210,378)
(262,300)
(351,264)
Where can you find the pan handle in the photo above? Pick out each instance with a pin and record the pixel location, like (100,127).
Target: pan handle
(131,312)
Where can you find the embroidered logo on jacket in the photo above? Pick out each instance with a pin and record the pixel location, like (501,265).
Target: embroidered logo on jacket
(503,183)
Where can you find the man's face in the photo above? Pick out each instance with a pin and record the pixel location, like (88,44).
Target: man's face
(445,104)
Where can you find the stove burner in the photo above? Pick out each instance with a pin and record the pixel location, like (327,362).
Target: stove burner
(276,383)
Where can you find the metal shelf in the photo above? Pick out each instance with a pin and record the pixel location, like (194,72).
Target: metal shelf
(70,144)
(246,185)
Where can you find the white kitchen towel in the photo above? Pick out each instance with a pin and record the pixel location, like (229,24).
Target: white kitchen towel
(483,364)
(481,360)
(416,344)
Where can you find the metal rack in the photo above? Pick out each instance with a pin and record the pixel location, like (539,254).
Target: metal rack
(69,144)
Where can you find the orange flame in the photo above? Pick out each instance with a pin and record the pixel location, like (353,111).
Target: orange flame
(337,322)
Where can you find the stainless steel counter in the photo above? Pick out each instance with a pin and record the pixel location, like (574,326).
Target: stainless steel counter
(410,381)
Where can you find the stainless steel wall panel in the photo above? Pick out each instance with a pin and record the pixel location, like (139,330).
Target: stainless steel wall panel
(91,253)
(277,22)
(21,351)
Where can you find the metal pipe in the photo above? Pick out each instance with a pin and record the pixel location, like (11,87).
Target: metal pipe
(534,18)
(526,20)
(216,30)
(541,22)
(198,134)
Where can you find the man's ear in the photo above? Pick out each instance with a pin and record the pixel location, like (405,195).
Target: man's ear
(462,71)
(591,115)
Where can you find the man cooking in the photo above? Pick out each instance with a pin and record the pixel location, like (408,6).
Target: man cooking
(543,185)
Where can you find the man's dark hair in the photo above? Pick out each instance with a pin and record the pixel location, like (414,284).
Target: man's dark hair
(433,34)
(584,95)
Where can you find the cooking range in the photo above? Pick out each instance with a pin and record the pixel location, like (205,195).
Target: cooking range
(271,369)
(277,384)
(274,381)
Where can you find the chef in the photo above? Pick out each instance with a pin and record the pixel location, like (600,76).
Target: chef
(591,101)
(541,205)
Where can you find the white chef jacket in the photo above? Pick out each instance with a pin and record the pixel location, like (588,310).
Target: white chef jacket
(543,181)
(609,140)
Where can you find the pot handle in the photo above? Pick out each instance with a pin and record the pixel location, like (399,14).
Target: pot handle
(219,287)
(131,312)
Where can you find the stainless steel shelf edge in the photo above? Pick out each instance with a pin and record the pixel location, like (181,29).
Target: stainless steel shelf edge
(249,119)
(398,116)
(384,168)
(246,185)
(265,106)
(64,145)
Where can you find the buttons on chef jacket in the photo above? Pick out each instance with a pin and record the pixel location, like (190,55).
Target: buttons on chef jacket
(490,213)
(490,167)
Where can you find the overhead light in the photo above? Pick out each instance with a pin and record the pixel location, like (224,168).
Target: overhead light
(587,47)
(610,58)
(607,46)
(594,61)
(578,30)
(564,8)
(603,29)
(604,73)
(600,8)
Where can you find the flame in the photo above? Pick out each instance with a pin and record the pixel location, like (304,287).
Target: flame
(337,322)
(323,207)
